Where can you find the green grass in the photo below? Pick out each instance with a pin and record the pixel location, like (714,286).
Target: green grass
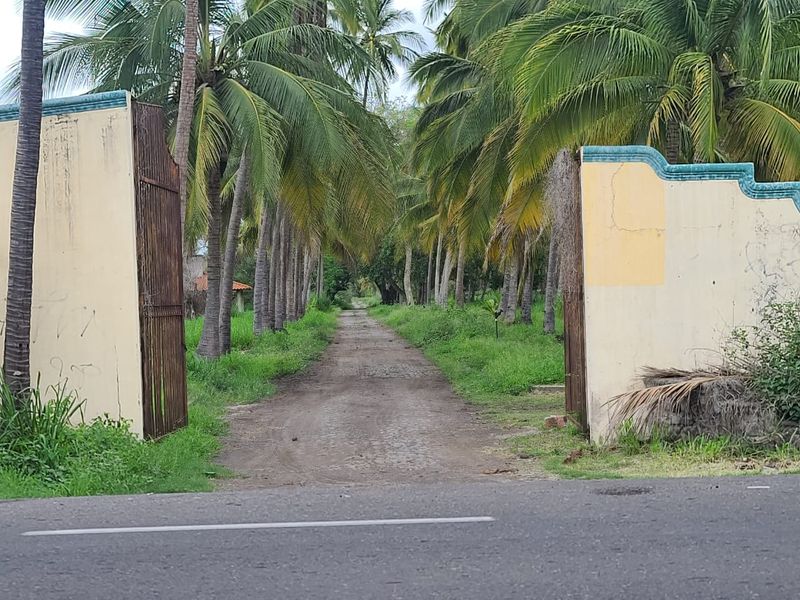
(486,370)
(108,460)
(497,376)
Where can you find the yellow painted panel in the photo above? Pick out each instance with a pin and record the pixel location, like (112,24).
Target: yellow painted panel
(623,225)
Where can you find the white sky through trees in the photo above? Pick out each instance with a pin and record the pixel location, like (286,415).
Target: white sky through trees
(11,35)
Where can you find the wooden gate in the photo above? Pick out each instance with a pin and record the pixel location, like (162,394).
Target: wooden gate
(160,266)
(574,327)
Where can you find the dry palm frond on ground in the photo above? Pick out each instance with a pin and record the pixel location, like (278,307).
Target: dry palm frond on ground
(647,406)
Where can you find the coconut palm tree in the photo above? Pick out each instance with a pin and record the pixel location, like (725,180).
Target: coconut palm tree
(229,256)
(376,25)
(183,122)
(16,365)
(466,132)
(701,81)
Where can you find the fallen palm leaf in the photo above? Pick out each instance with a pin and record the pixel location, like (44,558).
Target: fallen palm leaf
(645,407)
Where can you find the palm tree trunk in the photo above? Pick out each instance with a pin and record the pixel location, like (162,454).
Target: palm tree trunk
(320,18)
(17,364)
(462,257)
(527,286)
(280,273)
(183,123)
(506,280)
(510,314)
(308,267)
(297,284)
(209,346)
(447,270)
(288,273)
(321,274)
(366,89)
(437,278)
(274,262)
(291,281)
(407,276)
(673,142)
(229,261)
(429,279)
(261,278)
(551,286)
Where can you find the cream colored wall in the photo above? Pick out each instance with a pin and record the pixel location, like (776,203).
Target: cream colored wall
(671,267)
(85,315)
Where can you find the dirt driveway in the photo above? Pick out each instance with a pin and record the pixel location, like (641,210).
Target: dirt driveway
(372,410)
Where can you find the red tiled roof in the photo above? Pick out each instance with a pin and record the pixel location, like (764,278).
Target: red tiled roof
(201,284)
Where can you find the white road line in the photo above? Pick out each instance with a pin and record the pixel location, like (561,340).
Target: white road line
(288,525)
(757,487)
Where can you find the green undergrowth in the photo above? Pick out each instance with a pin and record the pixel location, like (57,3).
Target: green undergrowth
(488,370)
(102,457)
(500,376)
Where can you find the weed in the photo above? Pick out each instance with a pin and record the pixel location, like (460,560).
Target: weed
(627,439)
(35,433)
(704,448)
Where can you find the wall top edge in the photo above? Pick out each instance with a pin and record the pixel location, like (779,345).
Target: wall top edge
(744,173)
(73,104)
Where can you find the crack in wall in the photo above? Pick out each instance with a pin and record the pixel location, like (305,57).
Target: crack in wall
(615,224)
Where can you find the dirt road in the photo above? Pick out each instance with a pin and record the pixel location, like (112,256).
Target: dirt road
(372,410)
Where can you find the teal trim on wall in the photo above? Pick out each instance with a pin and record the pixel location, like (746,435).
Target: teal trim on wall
(744,173)
(60,106)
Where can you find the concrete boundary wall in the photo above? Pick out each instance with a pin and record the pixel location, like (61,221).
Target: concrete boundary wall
(85,322)
(675,257)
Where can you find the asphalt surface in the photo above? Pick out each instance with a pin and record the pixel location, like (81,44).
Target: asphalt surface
(709,538)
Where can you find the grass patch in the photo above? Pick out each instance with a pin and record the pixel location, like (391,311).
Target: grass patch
(104,458)
(486,370)
(497,375)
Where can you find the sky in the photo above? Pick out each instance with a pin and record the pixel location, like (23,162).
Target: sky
(11,32)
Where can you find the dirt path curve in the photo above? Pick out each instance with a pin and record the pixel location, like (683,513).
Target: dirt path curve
(372,410)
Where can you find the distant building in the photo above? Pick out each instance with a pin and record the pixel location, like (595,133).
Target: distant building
(239,289)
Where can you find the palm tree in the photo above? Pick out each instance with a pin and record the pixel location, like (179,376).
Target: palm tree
(16,367)
(466,132)
(701,81)
(229,258)
(183,122)
(262,275)
(374,23)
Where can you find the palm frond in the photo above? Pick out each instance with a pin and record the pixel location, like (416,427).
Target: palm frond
(644,408)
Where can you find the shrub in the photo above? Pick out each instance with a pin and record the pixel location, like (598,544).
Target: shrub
(321,303)
(343,299)
(770,355)
(35,433)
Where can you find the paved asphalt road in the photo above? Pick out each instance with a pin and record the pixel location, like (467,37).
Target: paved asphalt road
(697,539)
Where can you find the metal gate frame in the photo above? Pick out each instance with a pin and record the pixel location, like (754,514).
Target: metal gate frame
(575,331)
(160,270)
